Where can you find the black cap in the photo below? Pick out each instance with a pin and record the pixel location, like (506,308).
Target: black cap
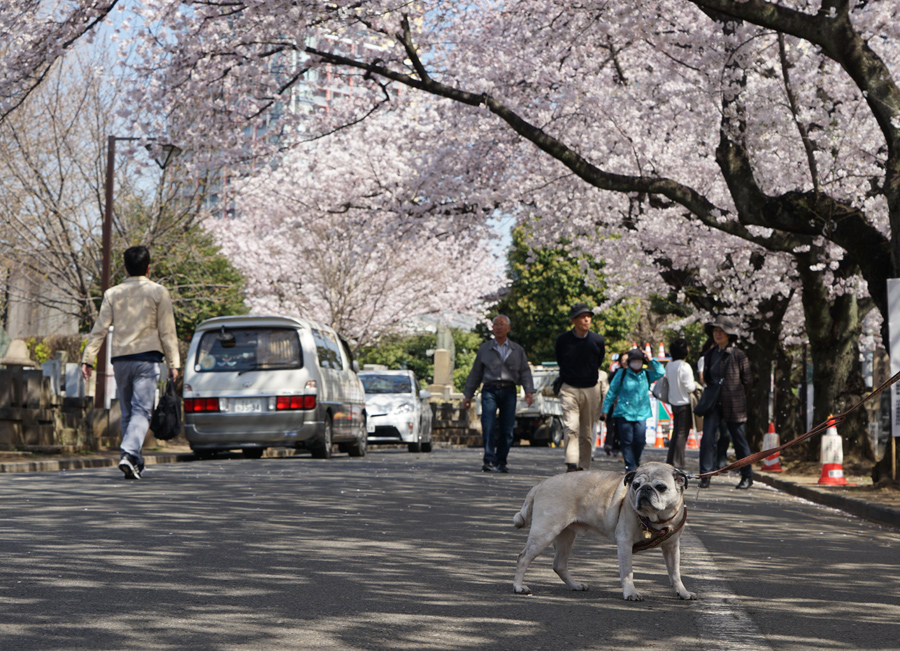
(578,309)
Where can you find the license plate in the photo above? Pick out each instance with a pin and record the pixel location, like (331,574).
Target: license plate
(247,406)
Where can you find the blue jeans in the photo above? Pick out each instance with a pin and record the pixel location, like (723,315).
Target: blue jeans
(497,430)
(708,442)
(633,438)
(136,390)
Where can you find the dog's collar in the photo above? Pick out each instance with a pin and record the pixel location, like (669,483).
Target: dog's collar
(655,537)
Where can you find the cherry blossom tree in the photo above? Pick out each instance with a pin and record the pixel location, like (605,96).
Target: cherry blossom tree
(339,232)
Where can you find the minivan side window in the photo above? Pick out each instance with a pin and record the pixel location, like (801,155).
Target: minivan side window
(335,348)
(322,349)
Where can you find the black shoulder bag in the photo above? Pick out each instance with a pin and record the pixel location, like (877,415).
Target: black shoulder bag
(166,419)
(711,392)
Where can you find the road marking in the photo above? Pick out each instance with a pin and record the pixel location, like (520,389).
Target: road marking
(722,621)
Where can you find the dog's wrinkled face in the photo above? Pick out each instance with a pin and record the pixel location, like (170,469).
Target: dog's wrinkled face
(655,487)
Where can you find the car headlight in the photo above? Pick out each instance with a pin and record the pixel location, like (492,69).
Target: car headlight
(405,408)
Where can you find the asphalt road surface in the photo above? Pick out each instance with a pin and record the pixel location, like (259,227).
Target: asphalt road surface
(414,551)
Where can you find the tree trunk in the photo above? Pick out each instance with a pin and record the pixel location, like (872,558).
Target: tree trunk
(833,327)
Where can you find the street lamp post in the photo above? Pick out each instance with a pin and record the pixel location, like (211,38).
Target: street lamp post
(168,152)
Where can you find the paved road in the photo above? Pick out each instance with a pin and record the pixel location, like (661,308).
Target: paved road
(412,551)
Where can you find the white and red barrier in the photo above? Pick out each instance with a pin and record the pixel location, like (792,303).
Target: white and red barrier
(832,457)
(771,440)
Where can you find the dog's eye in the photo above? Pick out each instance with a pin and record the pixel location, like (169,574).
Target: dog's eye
(636,485)
(661,488)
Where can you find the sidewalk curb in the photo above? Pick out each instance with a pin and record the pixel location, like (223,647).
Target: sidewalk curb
(111,460)
(861,508)
(49,465)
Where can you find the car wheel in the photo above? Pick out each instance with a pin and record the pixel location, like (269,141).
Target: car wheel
(415,447)
(556,433)
(252,453)
(426,447)
(358,449)
(323,449)
(205,454)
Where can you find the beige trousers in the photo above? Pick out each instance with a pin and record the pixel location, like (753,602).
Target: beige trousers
(580,409)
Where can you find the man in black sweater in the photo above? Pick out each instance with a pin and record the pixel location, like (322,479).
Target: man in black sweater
(579,354)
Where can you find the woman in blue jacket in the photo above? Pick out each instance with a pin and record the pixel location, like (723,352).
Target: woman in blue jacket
(632,389)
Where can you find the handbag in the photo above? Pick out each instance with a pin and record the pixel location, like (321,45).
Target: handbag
(660,389)
(711,392)
(166,419)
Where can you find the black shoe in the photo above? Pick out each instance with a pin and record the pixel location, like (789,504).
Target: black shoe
(488,467)
(746,482)
(704,483)
(128,465)
(503,469)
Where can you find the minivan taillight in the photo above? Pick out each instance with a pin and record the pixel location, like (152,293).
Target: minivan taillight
(198,405)
(283,403)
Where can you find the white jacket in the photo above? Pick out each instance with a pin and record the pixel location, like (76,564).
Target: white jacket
(140,312)
(681,382)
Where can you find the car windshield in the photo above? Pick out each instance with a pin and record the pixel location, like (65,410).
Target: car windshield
(386,384)
(248,349)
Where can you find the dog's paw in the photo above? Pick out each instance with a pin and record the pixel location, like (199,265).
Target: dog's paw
(579,587)
(634,595)
(522,589)
(687,596)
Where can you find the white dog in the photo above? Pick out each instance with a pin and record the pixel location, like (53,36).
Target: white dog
(644,509)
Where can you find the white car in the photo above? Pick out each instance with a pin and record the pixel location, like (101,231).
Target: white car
(398,411)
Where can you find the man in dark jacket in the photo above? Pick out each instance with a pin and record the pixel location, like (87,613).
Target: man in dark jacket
(501,364)
(579,354)
(729,365)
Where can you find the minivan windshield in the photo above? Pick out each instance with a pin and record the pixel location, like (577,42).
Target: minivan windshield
(386,384)
(248,349)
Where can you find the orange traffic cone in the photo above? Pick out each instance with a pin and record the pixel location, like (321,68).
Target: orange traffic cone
(660,438)
(832,458)
(662,352)
(647,351)
(601,435)
(771,440)
(692,442)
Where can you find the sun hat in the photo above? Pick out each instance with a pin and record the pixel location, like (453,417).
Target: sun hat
(727,324)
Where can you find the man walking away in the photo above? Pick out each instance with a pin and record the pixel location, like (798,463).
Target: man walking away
(579,355)
(143,335)
(501,364)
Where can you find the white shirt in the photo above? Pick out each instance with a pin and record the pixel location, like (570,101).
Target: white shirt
(681,382)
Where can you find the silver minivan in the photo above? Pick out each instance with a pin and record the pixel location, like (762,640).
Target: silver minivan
(253,382)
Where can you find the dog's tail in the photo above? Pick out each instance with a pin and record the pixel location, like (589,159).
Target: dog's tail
(523,517)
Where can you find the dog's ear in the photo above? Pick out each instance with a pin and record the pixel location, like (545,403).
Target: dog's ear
(629,477)
(681,478)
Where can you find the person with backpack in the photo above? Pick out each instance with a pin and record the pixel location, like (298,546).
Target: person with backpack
(630,392)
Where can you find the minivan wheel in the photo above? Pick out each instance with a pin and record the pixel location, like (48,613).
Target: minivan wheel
(252,453)
(426,446)
(415,447)
(358,449)
(323,449)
